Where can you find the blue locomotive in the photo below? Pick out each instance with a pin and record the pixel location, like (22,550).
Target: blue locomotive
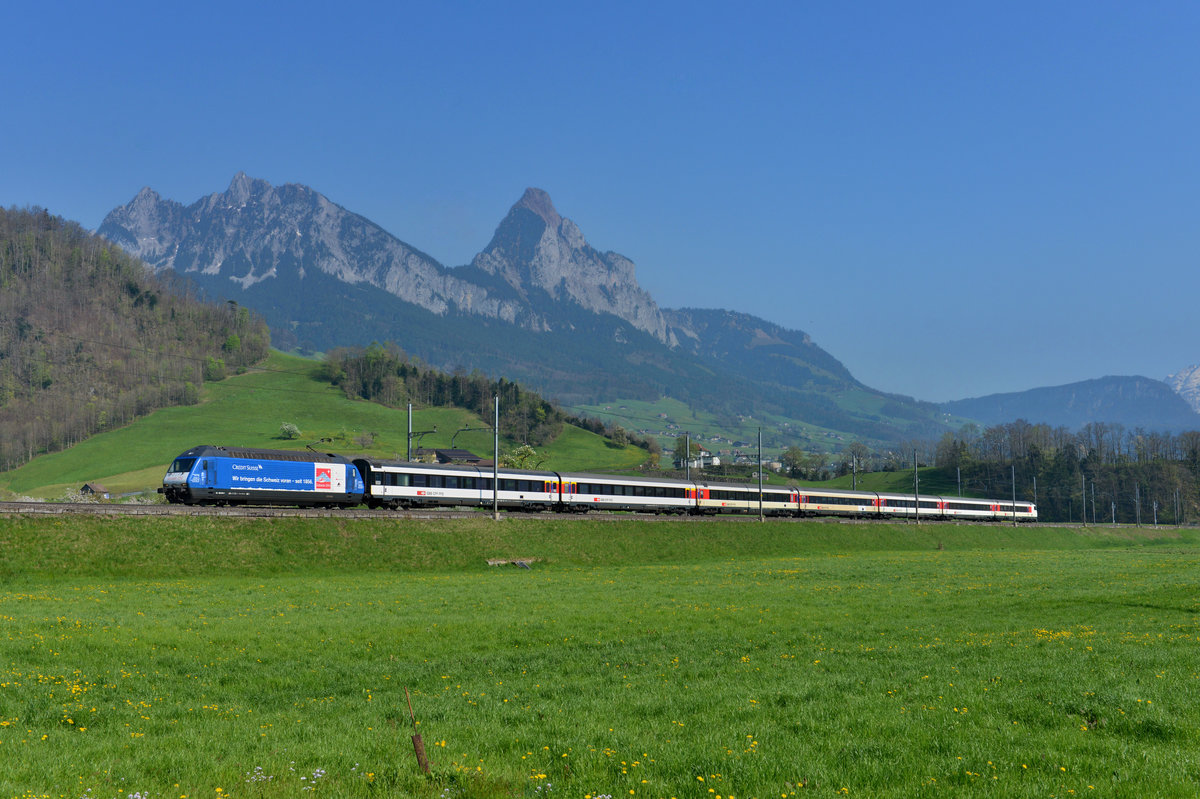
(209,475)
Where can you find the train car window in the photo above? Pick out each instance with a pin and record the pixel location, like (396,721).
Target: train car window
(451,481)
(419,481)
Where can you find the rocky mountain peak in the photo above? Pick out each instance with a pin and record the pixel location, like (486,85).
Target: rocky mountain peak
(539,202)
(145,198)
(142,225)
(242,188)
(256,233)
(535,249)
(1186,383)
(283,239)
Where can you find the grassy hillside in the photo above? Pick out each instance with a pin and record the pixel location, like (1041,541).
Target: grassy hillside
(248,410)
(933,481)
(666,419)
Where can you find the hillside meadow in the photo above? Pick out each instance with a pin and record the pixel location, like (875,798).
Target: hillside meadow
(248,410)
(214,657)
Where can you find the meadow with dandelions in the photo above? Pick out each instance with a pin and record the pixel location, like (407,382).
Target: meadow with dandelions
(212,658)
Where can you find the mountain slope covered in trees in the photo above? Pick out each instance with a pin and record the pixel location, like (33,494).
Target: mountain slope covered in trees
(1129,401)
(90,339)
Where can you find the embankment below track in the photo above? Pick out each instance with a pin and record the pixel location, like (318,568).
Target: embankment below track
(177,547)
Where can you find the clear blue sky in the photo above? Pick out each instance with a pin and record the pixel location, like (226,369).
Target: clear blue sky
(953,198)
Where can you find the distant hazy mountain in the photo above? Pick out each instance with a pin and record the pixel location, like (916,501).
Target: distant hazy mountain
(1186,383)
(538,304)
(1130,401)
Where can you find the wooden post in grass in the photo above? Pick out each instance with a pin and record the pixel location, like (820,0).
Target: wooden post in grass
(418,744)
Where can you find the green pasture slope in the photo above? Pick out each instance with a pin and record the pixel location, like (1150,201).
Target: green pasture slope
(248,410)
(208,657)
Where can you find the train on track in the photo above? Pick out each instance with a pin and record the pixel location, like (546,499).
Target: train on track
(212,475)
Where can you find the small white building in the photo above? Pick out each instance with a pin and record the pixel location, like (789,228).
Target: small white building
(703,460)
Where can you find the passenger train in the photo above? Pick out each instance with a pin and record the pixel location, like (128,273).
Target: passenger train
(211,475)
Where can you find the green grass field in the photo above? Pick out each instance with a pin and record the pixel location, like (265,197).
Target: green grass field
(207,657)
(248,410)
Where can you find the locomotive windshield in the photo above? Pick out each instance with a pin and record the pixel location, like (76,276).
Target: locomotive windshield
(182,465)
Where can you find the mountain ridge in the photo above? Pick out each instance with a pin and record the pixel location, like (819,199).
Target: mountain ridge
(1134,401)
(538,302)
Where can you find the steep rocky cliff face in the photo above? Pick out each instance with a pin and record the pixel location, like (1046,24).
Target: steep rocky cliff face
(535,249)
(255,232)
(1186,383)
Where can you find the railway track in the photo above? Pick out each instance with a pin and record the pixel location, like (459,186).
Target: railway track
(116,510)
(267,512)
(134,509)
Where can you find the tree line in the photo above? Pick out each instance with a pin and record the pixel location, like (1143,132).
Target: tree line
(1097,474)
(384,373)
(90,339)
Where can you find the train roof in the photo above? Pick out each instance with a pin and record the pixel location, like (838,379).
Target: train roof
(485,471)
(837,492)
(626,478)
(742,486)
(258,454)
